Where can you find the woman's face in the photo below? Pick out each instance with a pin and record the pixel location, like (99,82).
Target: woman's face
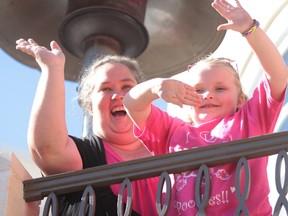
(112,82)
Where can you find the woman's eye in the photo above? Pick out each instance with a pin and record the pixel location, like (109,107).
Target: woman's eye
(128,87)
(105,89)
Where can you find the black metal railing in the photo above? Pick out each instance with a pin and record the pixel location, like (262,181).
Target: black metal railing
(162,165)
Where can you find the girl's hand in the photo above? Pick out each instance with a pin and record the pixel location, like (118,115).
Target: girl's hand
(238,19)
(178,93)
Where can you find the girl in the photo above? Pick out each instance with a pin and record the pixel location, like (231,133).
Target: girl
(219,113)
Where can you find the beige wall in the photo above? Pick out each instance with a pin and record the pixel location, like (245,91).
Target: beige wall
(12,175)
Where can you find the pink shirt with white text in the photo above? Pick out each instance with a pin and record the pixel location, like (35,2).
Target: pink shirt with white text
(165,134)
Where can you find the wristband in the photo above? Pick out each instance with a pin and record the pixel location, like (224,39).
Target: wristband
(251,29)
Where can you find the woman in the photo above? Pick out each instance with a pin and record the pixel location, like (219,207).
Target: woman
(101,91)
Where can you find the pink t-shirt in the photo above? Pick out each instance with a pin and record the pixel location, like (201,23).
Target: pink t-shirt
(143,191)
(258,116)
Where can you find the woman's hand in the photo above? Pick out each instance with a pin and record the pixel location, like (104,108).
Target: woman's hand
(43,56)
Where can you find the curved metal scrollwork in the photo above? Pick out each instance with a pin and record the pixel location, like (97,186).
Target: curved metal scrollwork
(282,201)
(51,202)
(88,201)
(202,200)
(241,208)
(125,184)
(164,177)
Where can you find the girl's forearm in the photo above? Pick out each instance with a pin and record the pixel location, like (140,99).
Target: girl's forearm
(142,95)
(138,101)
(271,61)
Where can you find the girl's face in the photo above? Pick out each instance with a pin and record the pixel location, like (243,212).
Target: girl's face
(112,82)
(220,94)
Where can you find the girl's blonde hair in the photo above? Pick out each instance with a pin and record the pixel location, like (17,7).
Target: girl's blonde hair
(210,60)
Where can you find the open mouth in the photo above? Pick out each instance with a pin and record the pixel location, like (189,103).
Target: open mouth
(118,111)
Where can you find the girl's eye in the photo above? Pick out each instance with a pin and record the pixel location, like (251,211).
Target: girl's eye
(199,91)
(220,89)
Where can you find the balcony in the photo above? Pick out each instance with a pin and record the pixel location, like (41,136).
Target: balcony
(162,165)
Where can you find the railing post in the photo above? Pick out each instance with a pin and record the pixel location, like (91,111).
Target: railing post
(12,175)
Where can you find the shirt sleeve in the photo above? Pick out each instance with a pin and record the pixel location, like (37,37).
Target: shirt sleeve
(156,134)
(86,152)
(262,110)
